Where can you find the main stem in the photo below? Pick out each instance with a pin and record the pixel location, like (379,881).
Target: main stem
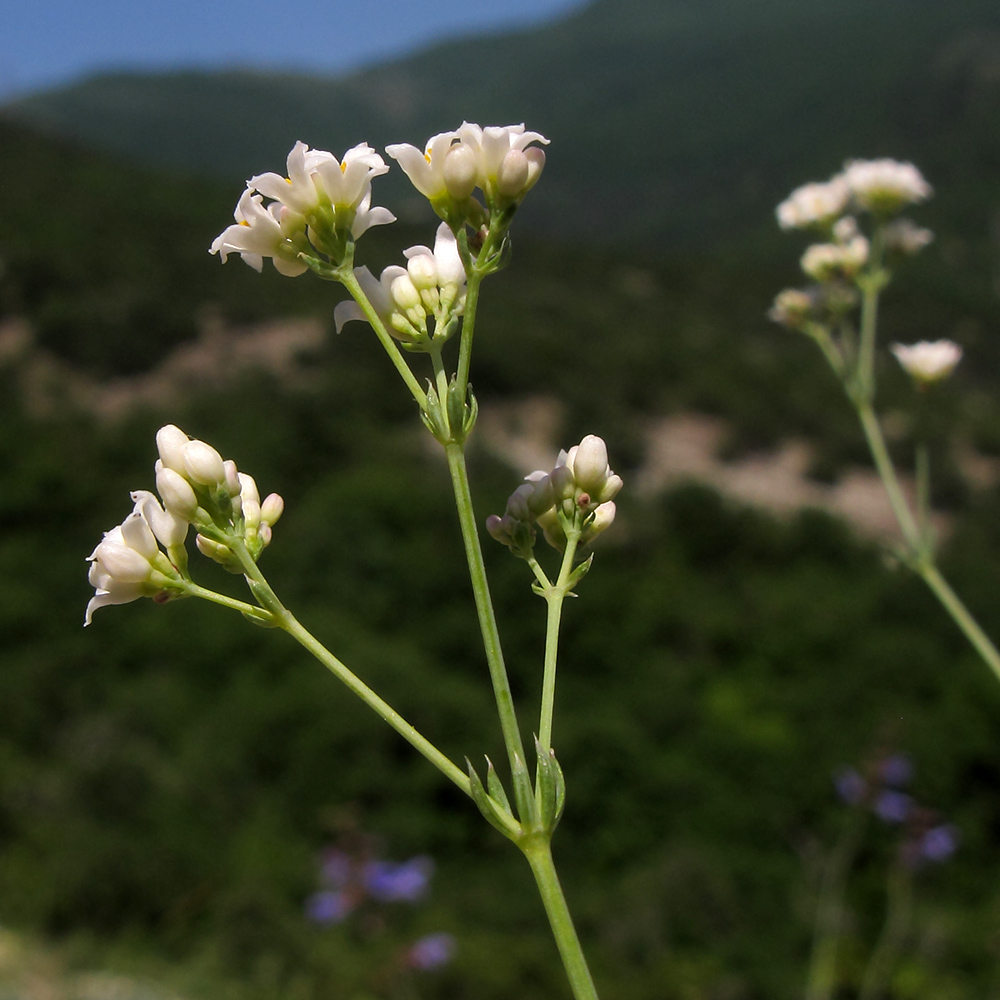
(539,855)
(484,603)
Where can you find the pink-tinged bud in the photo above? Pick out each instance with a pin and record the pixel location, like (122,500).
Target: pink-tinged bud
(175,492)
(204,464)
(461,172)
(517,502)
(171,442)
(590,464)
(494,525)
(265,534)
(272,508)
(512,174)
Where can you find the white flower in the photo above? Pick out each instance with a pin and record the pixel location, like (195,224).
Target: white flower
(263,232)
(928,361)
(507,165)
(426,169)
(906,237)
(827,261)
(815,204)
(885,186)
(792,307)
(128,563)
(317,180)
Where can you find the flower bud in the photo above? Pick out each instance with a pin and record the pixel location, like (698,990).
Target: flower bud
(176,492)
(171,443)
(232,478)
(423,271)
(203,464)
(512,174)
(404,293)
(461,172)
(590,464)
(271,509)
(927,361)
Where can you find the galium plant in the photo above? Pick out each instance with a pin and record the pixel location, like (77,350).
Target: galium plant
(857,216)
(311,220)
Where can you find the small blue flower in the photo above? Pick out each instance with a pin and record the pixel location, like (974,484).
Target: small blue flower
(407,882)
(940,842)
(892,806)
(327,907)
(431,952)
(896,770)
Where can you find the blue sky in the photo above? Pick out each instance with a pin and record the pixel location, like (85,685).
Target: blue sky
(45,44)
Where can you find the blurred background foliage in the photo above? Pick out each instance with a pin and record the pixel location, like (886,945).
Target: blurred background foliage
(169,777)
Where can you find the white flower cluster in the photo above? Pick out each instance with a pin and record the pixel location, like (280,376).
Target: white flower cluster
(579,491)
(129,563)
(928,361)
(500,160)
(197,487)
(323,201)
(883,187)
(320,198)
(432,285)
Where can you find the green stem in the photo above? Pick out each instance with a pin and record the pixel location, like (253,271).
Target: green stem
(350,282)
(554,598)
(539,855)
(887,472)
(484,603)
(286,620)
(960,614)
(468,327)
(830,911)
(899,907)
(871,284)
(250,610)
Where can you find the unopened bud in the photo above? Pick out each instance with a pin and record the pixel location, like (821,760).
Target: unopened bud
(204,464)
(175,492)
(512,174)
(423,271)
(590,464)
(272,508)
(461,172)
(171,443)
(404,293)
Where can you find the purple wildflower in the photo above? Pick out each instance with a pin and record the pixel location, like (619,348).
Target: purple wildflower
(892,806)
(327,907)
(431,952)
(896,770)
(940,842)
(851,787)
(407,882)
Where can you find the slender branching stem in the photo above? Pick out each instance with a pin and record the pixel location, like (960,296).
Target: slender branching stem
(554,598)
(277,613)
(350,282)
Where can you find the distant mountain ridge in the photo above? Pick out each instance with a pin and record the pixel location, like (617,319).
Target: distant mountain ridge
(676,120)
